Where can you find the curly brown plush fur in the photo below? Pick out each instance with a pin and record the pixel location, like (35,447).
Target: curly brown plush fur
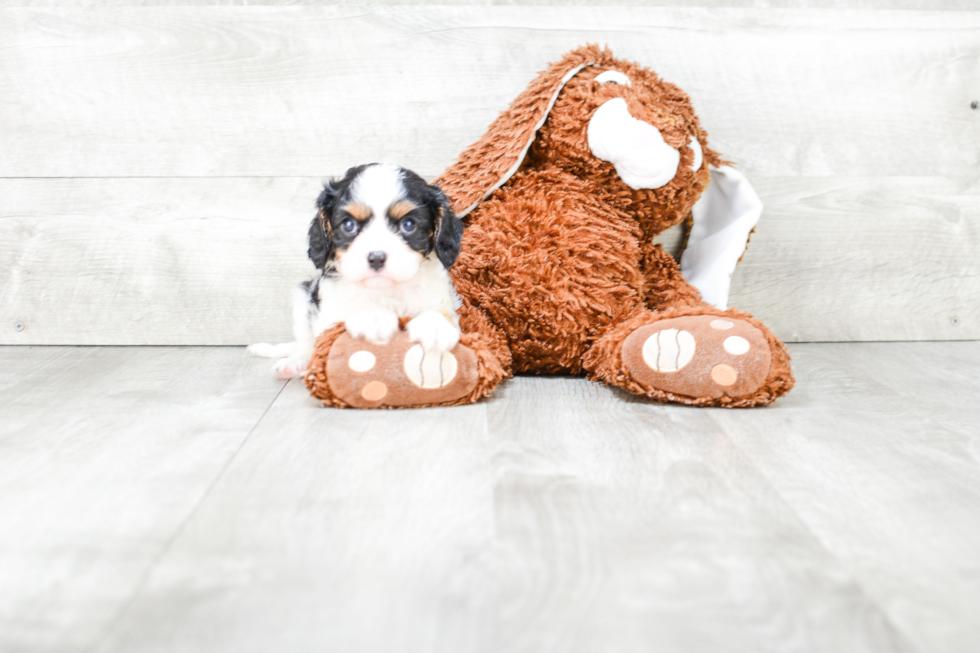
(558,266)
(560,257)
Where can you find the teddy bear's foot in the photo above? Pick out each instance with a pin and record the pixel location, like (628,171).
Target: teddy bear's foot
(400,373)
(699,356)
(351,373)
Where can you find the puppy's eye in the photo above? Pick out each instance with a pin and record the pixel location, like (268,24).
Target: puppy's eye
(407,226)
(349,225)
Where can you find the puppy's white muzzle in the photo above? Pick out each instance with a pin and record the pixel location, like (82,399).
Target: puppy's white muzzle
(377,243)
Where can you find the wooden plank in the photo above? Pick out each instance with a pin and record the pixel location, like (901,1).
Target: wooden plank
(212,261)
(865,259)
(601,524)
(271,91)
(334,531)
(152,261)
(559,515)
(929,5)
(864,453)
(629,526)
(947,376)
(104,453)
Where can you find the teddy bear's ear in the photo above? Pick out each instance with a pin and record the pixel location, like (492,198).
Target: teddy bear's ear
(722,221)
(486,165)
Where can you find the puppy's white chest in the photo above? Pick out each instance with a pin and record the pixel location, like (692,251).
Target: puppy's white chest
(430,290)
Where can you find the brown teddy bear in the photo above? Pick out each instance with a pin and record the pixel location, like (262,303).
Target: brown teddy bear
(562,199)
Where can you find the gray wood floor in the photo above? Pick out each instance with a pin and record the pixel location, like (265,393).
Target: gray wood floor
(180,499)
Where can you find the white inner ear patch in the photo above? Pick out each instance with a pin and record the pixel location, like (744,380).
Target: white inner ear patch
(698,154)
(615,77)
(723,219)
(636,148)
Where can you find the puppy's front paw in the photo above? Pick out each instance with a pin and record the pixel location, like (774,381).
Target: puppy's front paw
(433,331)
(376,325)
(293,367)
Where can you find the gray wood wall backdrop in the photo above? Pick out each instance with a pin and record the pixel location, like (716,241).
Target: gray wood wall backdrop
(158,163)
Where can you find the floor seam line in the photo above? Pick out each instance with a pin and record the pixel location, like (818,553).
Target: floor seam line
(168,545)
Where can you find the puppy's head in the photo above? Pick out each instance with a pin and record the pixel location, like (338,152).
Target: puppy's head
(377,223)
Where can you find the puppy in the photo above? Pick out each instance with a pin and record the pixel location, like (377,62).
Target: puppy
(382,242)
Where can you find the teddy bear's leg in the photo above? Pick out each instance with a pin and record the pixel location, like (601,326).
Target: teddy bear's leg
(348,372)
(663,282)
(478,329)
(696,355)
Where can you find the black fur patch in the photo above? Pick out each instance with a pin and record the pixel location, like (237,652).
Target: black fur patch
(312,288)
(449,231)
(443,230)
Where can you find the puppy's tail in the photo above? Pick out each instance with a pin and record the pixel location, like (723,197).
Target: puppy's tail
(266,350)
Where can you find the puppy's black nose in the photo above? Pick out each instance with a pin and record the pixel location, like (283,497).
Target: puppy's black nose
(377,260)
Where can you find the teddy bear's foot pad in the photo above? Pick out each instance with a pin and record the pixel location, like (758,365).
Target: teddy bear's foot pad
(398,374)
(699,356)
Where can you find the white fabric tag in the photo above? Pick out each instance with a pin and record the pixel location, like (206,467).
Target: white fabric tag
(723,219)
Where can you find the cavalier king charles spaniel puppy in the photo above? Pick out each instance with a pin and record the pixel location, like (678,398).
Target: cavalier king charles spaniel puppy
(382,242)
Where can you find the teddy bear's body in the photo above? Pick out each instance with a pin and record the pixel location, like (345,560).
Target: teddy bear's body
(559,273)
(533,273)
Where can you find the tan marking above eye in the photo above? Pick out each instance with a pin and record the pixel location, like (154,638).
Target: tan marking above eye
(400,209)
(359,211)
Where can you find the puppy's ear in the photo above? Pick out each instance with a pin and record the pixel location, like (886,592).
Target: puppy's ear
(449,228)
(320,247)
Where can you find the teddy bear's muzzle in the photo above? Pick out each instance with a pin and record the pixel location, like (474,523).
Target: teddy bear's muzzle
(636,148)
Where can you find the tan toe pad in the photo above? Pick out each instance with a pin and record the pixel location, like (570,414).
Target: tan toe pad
(699,356)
